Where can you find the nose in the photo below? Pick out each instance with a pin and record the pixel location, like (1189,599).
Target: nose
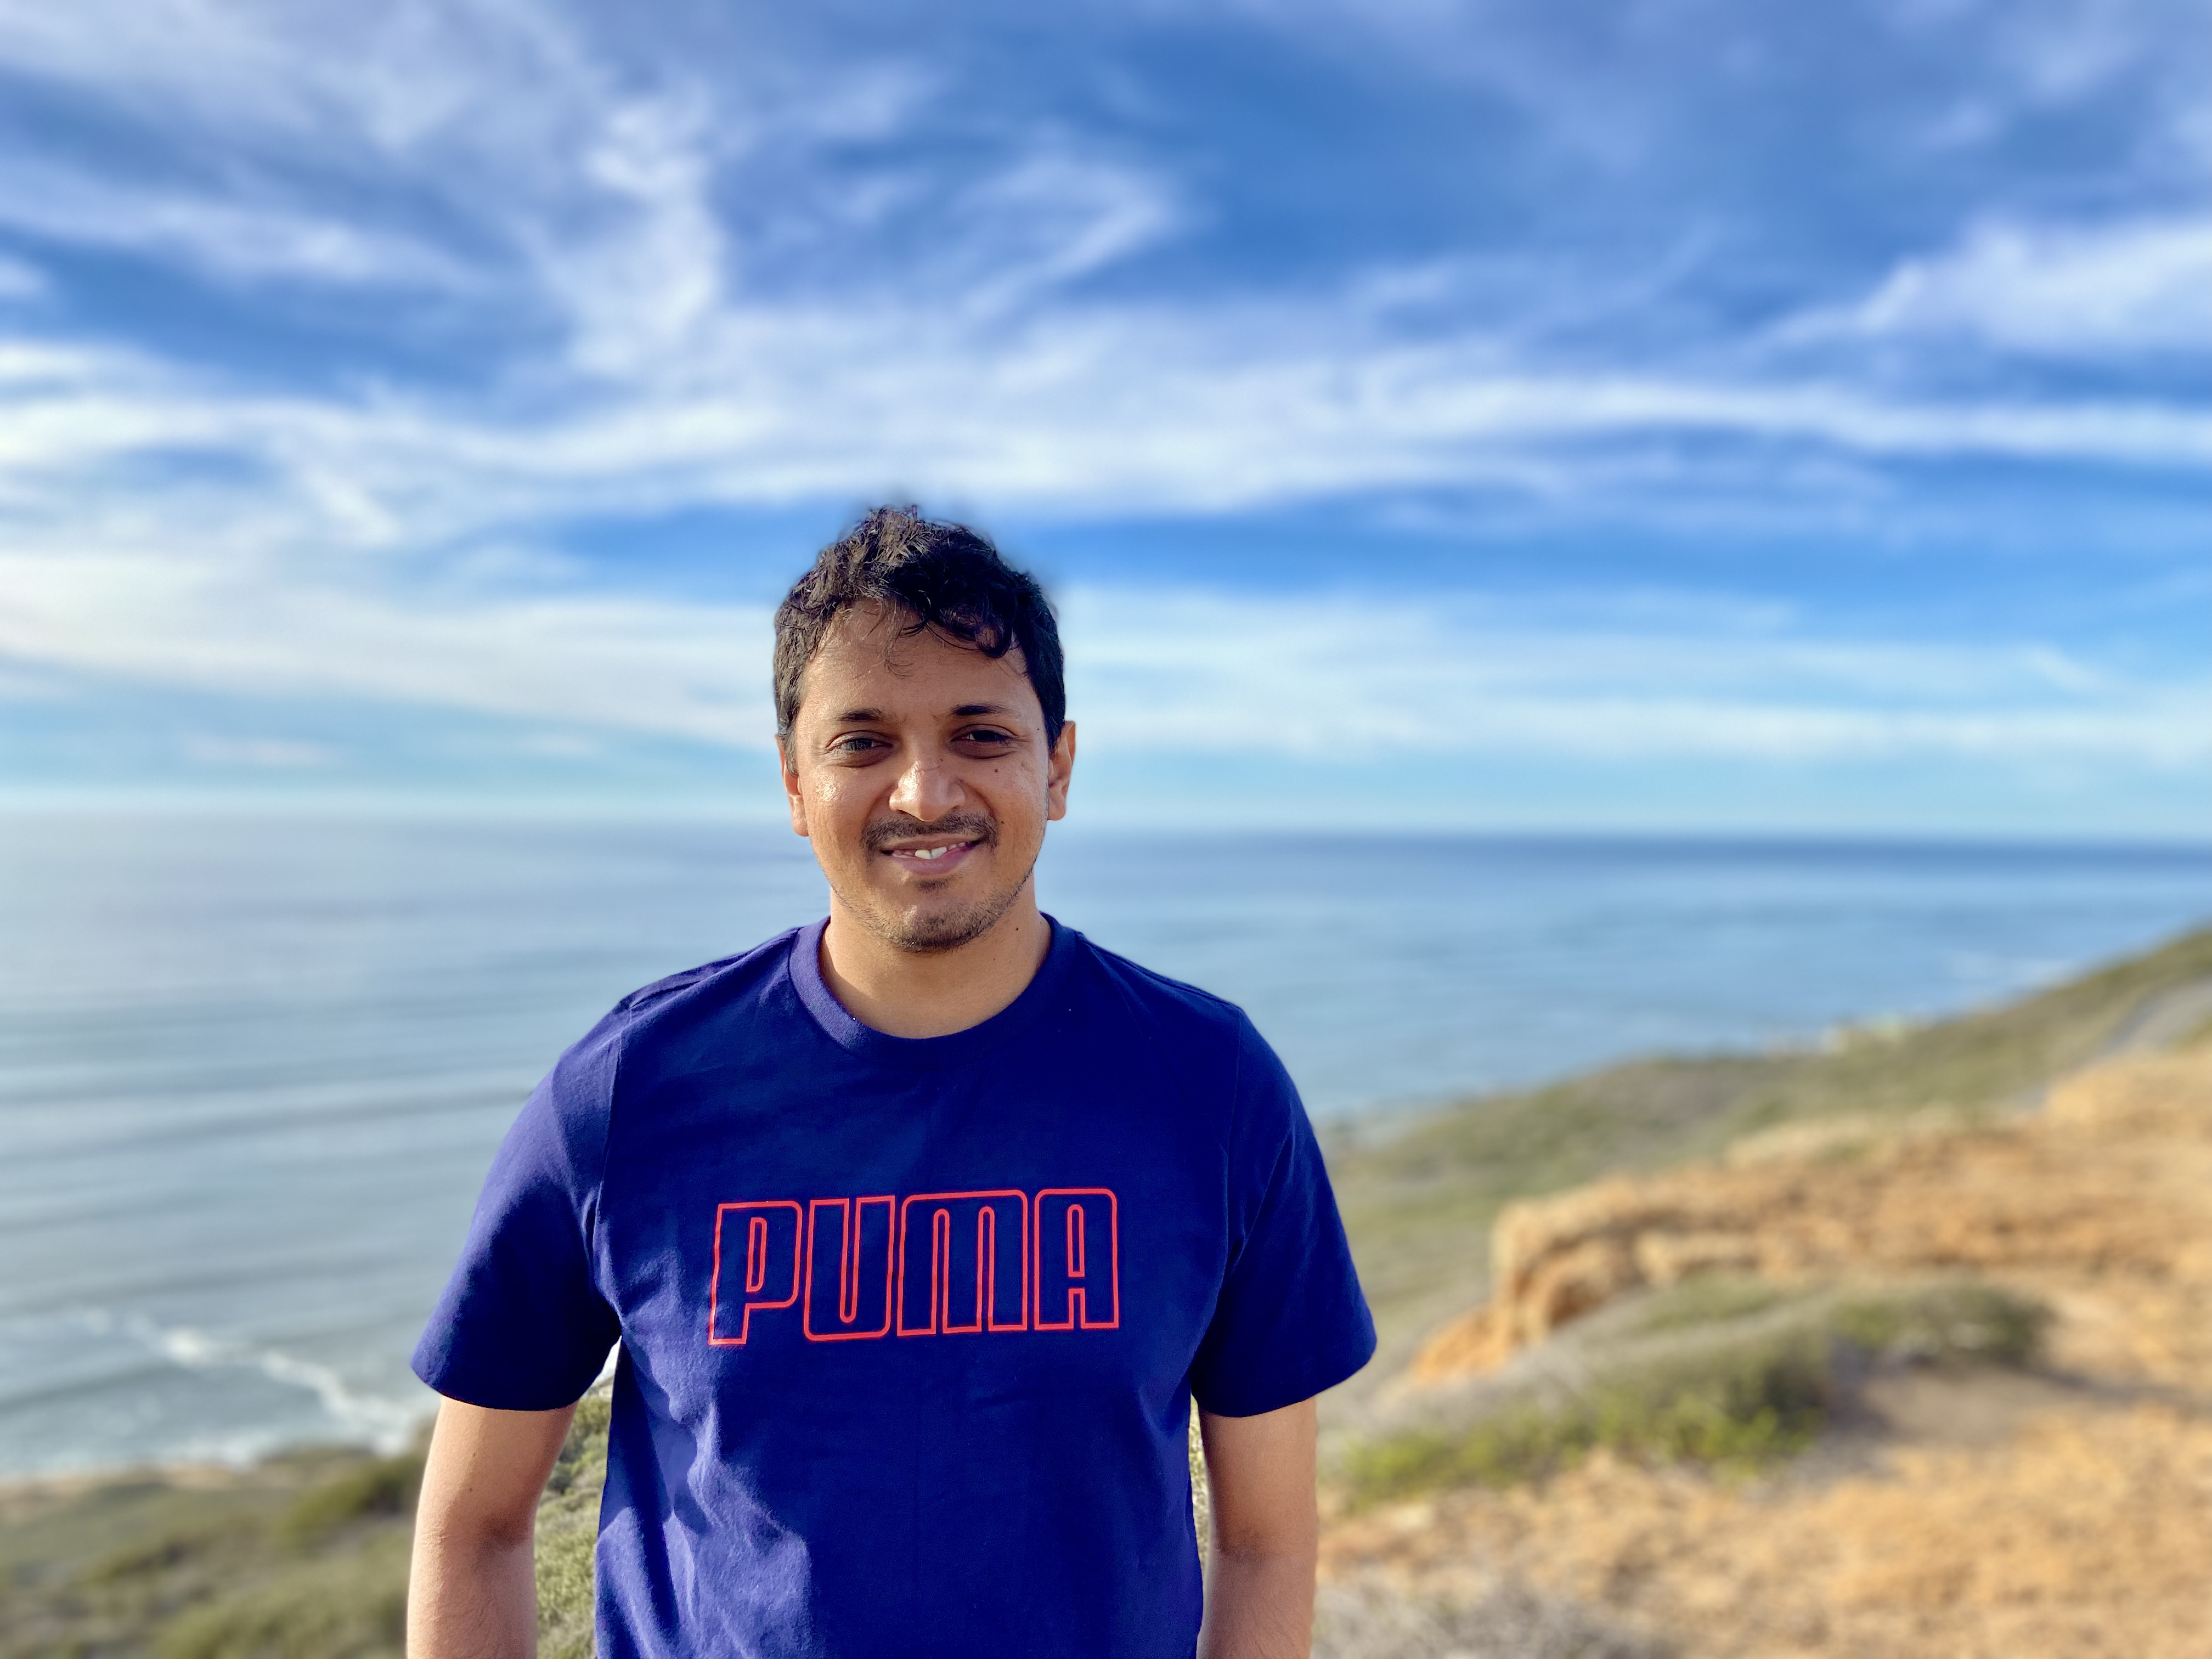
(927,789)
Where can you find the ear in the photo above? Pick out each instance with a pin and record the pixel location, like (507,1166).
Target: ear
(793,797)
(1058,769)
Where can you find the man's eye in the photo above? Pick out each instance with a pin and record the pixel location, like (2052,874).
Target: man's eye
(858,744)
(986,735)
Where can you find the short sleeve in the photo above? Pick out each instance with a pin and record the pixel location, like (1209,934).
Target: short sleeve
(523,1325)
(1290,1320)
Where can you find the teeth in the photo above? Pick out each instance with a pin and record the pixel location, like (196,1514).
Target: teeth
(932,852)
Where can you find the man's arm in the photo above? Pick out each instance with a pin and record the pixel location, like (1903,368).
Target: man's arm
(1266,1532)
(473,1592)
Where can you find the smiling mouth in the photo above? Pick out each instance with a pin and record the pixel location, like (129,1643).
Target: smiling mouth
(942,859)
(933,849)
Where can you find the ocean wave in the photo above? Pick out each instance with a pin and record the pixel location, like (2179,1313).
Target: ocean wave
(379,1420)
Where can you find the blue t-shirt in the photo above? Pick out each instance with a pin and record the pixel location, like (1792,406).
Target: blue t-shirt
(909,1327)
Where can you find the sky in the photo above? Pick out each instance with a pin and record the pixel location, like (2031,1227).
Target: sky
(1689,415)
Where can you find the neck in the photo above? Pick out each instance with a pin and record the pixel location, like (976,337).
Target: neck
(927,994)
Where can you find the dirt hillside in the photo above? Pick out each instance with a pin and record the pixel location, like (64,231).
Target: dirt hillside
(2058,1511)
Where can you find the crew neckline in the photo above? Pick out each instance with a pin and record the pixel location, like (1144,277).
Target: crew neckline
(840,1025)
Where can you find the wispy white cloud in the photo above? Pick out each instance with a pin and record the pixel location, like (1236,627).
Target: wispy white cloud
(1352,677)
(781,406)
(233,239)
(332,83)
(636,299)
(1052,217)
(1343,676)
(2079,291)
(128,611)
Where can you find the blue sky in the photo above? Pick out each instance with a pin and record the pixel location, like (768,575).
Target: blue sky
(1667,415)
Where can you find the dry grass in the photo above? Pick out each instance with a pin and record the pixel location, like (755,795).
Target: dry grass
(1994,1516)
(2084,1533)
(1508,1621)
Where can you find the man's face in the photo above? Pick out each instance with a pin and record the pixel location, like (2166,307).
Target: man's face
(918,767)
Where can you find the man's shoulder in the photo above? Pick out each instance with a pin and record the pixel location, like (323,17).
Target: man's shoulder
(679,1002)
(1208,1051)
(1175,1006)
(724,973)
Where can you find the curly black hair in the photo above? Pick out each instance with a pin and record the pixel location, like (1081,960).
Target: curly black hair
(945,577)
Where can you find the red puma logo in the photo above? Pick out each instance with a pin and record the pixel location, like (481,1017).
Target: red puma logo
(934,1264)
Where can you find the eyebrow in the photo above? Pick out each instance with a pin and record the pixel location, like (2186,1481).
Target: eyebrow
(872,716)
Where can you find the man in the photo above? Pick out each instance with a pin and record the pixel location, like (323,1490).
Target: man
(920,1228)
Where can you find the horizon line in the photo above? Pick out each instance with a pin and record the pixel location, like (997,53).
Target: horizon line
(1264,825)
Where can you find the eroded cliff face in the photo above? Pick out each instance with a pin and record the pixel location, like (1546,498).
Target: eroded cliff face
(2062,1511)
(2108,1192)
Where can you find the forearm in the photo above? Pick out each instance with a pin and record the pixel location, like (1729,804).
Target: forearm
(471,1596)
(1258,1606)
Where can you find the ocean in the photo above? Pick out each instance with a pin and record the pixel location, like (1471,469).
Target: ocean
(251,1068)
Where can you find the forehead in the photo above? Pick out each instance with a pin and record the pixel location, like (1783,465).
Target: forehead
(868,660)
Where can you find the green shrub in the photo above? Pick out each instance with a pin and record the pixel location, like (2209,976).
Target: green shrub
(175,1549)
(1944,1324)
(1738,1410)
(347,1606)
(1707,1299)
(1731,1374)
(383,1489)
(567,1532)
(584,1453)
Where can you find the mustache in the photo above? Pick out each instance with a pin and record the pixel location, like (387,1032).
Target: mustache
(967,826)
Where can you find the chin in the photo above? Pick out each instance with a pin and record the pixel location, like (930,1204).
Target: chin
(944,926)
(944,930)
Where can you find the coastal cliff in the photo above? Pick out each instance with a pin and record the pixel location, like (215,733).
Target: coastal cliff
(1915,1358)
